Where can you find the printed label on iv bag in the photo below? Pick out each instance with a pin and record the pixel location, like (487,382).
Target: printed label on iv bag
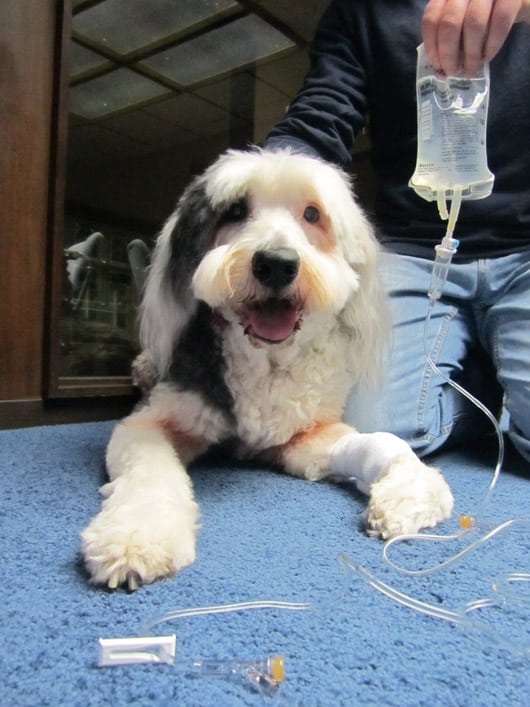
(452,120)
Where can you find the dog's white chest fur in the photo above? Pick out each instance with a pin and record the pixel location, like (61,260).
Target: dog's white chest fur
(278,393)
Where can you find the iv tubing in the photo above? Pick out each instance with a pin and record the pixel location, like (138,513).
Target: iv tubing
(473,524)
(472,399)
(399,597)
(147,627)
(503,585)
(443,538)
(447,248)
(478,627)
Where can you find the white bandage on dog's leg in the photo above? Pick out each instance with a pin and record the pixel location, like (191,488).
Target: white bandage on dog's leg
(360,457)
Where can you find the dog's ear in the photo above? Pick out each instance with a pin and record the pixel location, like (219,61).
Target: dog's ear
(168,302)
(365,316)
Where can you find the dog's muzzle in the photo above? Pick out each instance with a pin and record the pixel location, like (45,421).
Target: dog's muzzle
(275,319)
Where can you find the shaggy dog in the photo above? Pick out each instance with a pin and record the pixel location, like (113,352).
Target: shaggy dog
(261,308)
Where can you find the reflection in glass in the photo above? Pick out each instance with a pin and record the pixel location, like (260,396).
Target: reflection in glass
(111,92)
(105,268)
(125,26)
(83,59)
(157,91)
(223,49)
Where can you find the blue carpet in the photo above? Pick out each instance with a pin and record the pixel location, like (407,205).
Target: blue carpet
(264,536)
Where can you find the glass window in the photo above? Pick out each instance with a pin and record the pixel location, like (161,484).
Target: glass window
(157,90)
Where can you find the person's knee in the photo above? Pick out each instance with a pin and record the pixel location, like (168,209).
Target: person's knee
(519,421)
(380,411)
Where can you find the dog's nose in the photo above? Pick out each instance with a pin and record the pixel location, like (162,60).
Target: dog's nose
(275,267)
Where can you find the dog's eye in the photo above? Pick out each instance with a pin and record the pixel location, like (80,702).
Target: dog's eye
(312,214)
(238,211)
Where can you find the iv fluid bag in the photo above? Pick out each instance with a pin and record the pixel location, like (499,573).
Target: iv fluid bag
(452,121)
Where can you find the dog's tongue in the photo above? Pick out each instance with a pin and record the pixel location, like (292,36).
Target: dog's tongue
(273,320)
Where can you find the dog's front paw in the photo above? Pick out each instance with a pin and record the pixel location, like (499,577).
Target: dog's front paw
(407,496)
(137,543)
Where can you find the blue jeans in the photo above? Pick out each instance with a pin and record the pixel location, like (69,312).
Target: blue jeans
(478,335)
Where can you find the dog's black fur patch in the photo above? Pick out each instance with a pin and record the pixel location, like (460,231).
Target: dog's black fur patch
(192,236)
(198,364)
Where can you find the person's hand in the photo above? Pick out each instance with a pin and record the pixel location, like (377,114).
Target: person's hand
(460,34)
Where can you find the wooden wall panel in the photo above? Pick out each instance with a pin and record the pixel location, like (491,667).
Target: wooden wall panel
(28,138)
(27,35)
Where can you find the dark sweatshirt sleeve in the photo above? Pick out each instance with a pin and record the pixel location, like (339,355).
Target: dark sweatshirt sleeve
(330,108)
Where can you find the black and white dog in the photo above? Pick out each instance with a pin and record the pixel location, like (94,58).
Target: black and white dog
(262,307)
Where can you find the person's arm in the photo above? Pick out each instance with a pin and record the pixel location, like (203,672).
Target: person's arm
(524,13)
(330,107)
(463,33)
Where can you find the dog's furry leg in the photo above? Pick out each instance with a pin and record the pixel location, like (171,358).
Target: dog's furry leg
(148,522)
(405,495)
(307,454)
